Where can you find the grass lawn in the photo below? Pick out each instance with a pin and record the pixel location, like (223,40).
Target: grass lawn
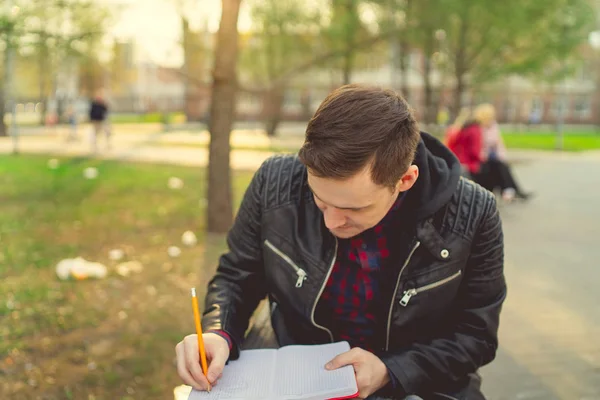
(547,141)
(146,118)
(573,141)
(97,339)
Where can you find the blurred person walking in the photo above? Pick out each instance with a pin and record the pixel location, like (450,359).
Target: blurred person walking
(98,118)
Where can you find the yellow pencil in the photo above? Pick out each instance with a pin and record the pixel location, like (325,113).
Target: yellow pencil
(199,332)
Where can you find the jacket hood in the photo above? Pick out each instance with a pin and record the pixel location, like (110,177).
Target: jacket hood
(439,172)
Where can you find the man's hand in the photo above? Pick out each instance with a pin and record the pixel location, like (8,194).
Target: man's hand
(371,372)
(188,360)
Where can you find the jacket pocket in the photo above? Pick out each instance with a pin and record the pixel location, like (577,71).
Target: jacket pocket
(410,293)
(299,271)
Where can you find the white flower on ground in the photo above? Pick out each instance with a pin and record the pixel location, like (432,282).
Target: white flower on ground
(116,254)
(175,183)
(189,238)
(174,251)
(90,173)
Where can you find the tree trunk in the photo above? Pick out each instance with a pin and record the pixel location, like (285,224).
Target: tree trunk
(273,106)
(348,65)
(427,67)
(402,64)
(42,74)
(460,68)
(3,127)
(429,105)
(44,110)
(596,103)
(403,59)
(459,89)
(187,96)
(6,85)
(222,114)
(272,125)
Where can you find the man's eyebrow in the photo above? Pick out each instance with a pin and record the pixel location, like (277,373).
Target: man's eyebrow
(341,208)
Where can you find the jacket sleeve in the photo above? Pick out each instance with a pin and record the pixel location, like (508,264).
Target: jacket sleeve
(238,284)
(471,340)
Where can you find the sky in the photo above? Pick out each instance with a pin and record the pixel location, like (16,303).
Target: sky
(155,27)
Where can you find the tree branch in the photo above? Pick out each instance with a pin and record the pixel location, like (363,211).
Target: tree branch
(324,57)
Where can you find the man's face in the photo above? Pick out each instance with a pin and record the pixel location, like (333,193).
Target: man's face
(355,204)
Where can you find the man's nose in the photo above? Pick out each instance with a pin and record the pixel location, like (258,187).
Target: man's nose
(334,218)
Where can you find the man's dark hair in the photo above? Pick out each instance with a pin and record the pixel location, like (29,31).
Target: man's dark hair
(358,125)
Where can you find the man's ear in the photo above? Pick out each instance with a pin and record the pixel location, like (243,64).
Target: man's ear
(408,179)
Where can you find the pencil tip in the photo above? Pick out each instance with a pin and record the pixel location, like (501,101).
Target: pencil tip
(193,292)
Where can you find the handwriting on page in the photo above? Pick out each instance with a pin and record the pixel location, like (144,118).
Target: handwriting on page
(248,378)
(227,391)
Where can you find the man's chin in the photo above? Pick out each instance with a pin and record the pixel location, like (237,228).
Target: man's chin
(346,233)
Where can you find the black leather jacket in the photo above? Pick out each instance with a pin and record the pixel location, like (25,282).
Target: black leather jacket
(443,300)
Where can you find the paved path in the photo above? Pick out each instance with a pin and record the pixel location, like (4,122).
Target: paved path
(180,148)
(186,147)
(550,328)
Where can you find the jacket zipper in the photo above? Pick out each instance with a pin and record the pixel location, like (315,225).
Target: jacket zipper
(389,321)
(312,313)
(408,294)
(299,271)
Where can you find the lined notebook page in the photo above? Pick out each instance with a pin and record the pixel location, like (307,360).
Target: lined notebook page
(301,372)
(249,377)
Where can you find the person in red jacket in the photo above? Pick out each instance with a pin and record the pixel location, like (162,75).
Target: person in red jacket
(466,145)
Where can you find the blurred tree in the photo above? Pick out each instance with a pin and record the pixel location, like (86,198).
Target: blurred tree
(392,16)
(123,73)
(492,39)
(222,115)
(291,37)
(196,58)
(424,31)
(91,72)
(284,34)
(11,27)
(478,42)
(343,33)
(64,33)
(52,32)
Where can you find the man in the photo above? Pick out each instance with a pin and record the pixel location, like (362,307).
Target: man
(98,117)
(369,235)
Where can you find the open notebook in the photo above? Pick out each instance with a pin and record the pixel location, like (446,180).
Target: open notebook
(289,373)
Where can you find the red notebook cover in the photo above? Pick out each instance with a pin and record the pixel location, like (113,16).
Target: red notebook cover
(355,395)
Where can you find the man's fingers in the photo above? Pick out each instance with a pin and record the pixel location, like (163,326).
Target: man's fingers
(217,363)
(186,377)
(192,362)
(196,372)
(184,374)
(343,359)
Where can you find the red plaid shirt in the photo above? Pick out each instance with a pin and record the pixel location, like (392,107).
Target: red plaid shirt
(351,301)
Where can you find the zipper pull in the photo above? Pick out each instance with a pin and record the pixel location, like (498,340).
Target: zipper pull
(301,278)
(407,295)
